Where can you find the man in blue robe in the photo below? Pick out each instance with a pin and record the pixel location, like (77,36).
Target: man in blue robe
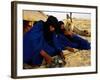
(72,39)
(32,45)
(35,45)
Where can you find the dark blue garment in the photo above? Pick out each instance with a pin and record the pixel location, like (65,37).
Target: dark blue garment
(53,46)
(77,42)
(59,42)
(34,42)
(73,41)
(83,44)
(32,45)
(65,42)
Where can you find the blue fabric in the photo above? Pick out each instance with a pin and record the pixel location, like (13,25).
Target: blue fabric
(73,41)
(53,47)
(78,42)
(83,44)
(34,42)
(59,42)
(65,42)
(49,49)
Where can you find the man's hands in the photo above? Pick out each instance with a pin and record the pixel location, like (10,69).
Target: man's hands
(47,57)
(68,33)
(70,49)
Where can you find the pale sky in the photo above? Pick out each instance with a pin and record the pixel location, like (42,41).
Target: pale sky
(61,16)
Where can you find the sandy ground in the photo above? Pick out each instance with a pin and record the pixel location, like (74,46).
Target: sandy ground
(77,59)
(80,57)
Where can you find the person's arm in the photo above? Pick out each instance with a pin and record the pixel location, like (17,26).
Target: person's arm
(69,49)
(47,57)
(68,33)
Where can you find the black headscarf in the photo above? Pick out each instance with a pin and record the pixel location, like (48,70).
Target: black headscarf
(59,30)
(50,21)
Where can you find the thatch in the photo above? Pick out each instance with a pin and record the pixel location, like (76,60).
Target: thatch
(34,15)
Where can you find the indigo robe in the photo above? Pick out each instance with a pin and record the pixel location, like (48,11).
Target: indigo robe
(74,41)
(32,45)
(34,42)
(82,43)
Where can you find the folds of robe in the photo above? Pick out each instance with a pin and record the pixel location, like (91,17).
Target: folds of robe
(54,47)
(34,42)
(82,43)
(65,42)
(75,41)
(32,45)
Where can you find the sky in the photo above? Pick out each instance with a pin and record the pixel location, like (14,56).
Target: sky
(61,16)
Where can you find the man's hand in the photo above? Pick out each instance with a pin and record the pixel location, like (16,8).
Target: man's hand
(47,57)
(70,49)
(68,33)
